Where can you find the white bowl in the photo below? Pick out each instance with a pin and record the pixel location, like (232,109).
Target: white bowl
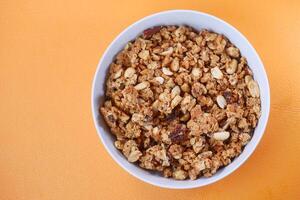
(199,21)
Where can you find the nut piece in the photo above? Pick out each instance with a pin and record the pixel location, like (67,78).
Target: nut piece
(144,54)
(221,101)
(233,52)
(216,73)
(159,79)
(175,65)
(221,136)
(232,66)
(166,71)
(142,85)
(253,88)
(129,72)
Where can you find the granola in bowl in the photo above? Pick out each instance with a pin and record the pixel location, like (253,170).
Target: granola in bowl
(181,102)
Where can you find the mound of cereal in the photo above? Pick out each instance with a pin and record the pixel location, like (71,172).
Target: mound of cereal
(181,102)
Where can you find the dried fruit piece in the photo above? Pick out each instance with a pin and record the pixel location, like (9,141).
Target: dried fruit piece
(150,31)
(179,134)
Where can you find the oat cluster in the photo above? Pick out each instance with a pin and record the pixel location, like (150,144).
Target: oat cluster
(181,102)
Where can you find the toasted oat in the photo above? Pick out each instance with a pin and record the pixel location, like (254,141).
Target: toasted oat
(129,72)
(175,65)
(181,102)
(142,85)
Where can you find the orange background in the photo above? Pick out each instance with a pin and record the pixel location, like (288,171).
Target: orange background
(49,148)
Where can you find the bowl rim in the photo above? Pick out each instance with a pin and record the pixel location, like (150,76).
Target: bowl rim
(224,174)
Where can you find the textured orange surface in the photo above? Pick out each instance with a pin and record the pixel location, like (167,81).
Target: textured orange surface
(49,148)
